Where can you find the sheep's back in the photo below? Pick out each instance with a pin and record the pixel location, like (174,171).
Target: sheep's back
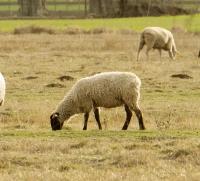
(159,35)
(107,89)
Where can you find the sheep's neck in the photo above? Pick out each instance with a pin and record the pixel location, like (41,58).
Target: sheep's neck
(66,109)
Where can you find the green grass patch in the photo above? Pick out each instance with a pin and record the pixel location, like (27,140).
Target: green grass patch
(191,23)
(65,133)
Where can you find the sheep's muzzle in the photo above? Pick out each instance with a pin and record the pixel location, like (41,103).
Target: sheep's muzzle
(55,123)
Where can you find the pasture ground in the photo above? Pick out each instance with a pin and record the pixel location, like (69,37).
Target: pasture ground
(187,22)
(33,65)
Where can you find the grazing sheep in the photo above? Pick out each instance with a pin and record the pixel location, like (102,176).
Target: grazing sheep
(157,38)
(199,54)
(108,90)
(2,89)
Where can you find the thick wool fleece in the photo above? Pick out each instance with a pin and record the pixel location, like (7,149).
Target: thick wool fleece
(158,38)
(108,90)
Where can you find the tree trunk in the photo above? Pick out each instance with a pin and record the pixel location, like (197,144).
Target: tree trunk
(101,7)
(95,7)
(108,8)
(32,7)
(122,7)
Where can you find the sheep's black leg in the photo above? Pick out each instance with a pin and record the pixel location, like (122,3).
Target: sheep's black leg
(86,116)
(128,117)
(140,118)
(96,114)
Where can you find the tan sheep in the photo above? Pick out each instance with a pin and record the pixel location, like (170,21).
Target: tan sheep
(108,90)
(157,38)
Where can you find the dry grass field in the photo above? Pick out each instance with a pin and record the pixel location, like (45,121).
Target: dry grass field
(39,70)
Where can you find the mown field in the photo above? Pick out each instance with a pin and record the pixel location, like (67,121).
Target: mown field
(187,22)
(34,64)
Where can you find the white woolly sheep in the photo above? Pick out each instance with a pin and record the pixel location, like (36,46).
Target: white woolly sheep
(108,90)
(2,89)
(157,38)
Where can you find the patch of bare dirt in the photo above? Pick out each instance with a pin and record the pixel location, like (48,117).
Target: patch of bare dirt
(55,85)
(65,78)
(181,76)
(30,77)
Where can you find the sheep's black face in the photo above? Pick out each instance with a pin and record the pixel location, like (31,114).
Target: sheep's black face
(55,123)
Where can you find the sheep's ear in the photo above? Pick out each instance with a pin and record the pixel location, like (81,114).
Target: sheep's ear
(54,115)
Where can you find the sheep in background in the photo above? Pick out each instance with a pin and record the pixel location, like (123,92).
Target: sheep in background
(157,38)
(108,90)
(2,89)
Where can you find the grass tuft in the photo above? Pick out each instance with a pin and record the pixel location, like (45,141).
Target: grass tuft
(33,30)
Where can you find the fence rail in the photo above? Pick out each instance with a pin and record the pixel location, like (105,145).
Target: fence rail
(80,8)
(62,2)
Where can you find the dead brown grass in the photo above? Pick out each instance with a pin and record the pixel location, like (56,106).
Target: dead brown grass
(33,63)
(30,62)
(80,159)
(33,30)
(72,30)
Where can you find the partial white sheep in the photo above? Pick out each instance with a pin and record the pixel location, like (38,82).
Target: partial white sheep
(157,38)
(108,90)
(2,89)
